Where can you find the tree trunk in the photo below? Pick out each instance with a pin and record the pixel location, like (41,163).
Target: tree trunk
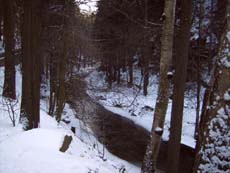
(1,18)
(110,75)
(146,79)
(164,84)
(130,64)
(211,42)
(30,104)
(213,144)
(8,34)
(146,53)
(62,58)
(61,80)
(53,84)
(199,68)
(179,86)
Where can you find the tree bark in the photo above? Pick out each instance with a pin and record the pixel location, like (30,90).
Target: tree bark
(146,52)
(164,84)
(53,84)
(1,18)
(8,34)
(62,58)
(30,104)
(61,80)
(179,86)
(199,67)
(130,66)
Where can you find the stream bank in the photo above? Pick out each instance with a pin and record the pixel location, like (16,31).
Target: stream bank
(121,136)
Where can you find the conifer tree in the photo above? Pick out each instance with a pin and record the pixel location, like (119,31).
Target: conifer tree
(31,42)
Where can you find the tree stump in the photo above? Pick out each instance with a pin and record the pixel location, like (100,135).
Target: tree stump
(66,143)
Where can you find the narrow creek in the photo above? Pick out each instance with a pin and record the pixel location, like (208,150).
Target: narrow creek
(120,136)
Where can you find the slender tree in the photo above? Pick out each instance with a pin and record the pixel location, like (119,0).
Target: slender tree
(199,64)
(61,72)
(30,104)
(8,34)
(182,47)
(145,51)
(1,19)
(164,84)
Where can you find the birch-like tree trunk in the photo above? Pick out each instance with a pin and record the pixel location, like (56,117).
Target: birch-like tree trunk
(164,86)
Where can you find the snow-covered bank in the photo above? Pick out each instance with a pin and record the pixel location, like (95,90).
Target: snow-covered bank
(130,103)
(37,150)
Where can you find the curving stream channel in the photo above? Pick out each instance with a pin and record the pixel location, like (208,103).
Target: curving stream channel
(120,135)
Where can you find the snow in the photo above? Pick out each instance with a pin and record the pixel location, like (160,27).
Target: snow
(130,103)
(1,48)
(226,62)
(158,129)
(37,150)
(216,153)
(228,35)
(170,73)
(88,6)
(227,95)
(225,58)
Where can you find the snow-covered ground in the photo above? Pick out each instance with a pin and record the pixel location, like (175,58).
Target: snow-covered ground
(37,150)
(130,103)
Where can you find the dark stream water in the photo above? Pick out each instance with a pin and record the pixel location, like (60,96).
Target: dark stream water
(120,135)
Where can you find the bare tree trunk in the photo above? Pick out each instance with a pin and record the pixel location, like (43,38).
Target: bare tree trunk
(213,143)
(8,33)
(210,49)
(145,53)
(1,19)
(164,83)
(182,48)
(130,65)
(199,70)
(30,104)
(61,80)
(110,75)
(62,58)
(53,83)
(146,78)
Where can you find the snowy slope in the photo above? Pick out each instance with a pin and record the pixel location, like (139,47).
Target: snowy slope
(37,150)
